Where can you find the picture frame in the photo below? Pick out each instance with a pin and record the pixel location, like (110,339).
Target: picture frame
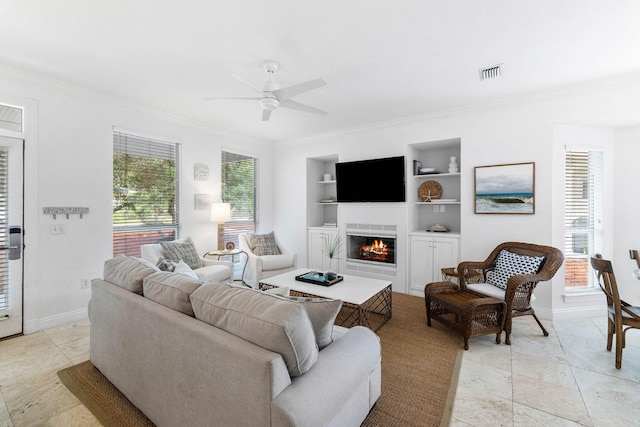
(201,202)
(200,172)
(505,189)
(417,165)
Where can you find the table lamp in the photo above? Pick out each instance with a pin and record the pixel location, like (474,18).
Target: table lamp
(220,212)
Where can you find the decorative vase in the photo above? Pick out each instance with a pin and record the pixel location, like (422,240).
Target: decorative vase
(330,274)
(453,165)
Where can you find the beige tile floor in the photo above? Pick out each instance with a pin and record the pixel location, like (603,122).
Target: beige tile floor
(566,379)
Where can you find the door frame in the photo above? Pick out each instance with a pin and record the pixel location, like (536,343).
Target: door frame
(30,312)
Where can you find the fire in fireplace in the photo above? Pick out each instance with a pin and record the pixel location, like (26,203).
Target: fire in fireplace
(372,248)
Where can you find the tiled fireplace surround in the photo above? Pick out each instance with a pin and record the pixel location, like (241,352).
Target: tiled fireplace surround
(373,220)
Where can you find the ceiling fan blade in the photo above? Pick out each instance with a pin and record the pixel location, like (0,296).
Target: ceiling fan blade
(291,91)
(294,105)
(266,114)
(240,79)
(241,99)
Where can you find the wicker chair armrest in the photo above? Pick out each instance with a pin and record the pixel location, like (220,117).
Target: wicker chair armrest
(438,287)
(471,270)
(522,283)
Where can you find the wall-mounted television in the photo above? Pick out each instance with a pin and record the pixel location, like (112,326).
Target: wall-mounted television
(375,180)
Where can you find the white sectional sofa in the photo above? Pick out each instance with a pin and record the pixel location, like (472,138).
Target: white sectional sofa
(153,337)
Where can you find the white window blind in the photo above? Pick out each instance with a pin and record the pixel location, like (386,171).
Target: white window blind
(240,189)
(4,229)
(584,172)
(145,192)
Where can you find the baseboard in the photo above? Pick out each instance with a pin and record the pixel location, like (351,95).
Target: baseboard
(580,312)
(37,325)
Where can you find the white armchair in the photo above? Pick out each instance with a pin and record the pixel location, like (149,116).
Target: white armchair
(261,266)
(209,270)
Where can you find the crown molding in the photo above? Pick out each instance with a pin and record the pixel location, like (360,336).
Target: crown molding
(524,97)
(128,105)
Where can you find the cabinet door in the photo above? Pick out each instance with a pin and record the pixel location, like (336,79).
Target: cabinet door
(421,262)
(317,259)
(445,255)
(314,251)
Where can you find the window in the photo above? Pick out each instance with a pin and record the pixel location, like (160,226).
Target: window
(145,192)
(584,170)
(10,118)
(240,189)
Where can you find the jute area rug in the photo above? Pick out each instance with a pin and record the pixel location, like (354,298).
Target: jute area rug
(420,367)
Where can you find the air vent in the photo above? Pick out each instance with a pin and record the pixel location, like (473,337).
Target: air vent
(492,72)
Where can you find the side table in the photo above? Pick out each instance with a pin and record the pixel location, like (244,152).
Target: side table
(232,253)
(465,312)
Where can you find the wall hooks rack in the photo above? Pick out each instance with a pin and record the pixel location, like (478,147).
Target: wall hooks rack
(65,211)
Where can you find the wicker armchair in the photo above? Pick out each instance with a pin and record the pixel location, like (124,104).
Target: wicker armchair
(519,287)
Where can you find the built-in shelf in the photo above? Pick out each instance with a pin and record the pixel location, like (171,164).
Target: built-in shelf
(436,202)
(319,189)
(435,175)
(436,155)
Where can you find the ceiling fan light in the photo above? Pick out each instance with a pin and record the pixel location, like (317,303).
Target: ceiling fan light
(269,103)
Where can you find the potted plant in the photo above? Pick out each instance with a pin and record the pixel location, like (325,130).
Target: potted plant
(332,247)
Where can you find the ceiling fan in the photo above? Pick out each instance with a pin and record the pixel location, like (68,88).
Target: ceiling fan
(271,98)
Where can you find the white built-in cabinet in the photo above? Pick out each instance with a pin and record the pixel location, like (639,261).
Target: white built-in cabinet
(428,254)
(316,242)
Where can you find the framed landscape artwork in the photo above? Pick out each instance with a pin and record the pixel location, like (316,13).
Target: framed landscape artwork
(505,189)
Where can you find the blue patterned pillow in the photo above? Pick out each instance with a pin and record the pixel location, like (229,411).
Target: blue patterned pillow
(509,264)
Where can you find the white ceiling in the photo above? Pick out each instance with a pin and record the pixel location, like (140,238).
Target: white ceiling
(382,60)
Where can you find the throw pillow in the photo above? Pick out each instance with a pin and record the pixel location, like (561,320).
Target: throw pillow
(183,250)
(182,268)
(165,264)
(264,244)
(171,290)
(323,313)
(264,320)
(511,264)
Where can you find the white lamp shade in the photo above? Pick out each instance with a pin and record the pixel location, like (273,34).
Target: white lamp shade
(220,212)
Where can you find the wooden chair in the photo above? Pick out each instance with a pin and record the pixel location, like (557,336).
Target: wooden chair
(621,316)
(519,287)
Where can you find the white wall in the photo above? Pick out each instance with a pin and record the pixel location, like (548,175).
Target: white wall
(517,130)
(74,158)
(626,216)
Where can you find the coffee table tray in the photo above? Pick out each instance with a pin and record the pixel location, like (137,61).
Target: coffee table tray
(318,279)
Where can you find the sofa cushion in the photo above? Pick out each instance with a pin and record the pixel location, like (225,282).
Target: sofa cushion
(127,272)
(263,244)
(323,313)
(262,319)
(277,262)
(491,290)
(183,250)
(511,264)
(171,290)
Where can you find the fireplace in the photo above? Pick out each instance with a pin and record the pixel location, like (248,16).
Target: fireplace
(371,249)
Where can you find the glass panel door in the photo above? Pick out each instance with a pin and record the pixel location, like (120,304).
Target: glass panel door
(11,213)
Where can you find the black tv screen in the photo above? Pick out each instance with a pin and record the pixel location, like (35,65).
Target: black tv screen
(376,180)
